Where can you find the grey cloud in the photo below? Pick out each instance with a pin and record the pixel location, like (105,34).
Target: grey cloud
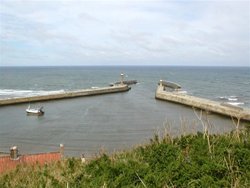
(133,30)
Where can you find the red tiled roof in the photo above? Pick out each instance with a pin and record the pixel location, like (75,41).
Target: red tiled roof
(6,163)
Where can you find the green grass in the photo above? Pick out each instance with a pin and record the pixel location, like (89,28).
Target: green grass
(164,162)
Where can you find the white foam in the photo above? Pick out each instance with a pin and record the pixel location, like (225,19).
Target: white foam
(236,103)
(11,93)
(232,99)
(182,92)
(233,96)
(229,98)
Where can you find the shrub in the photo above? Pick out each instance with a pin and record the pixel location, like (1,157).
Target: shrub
(183,162)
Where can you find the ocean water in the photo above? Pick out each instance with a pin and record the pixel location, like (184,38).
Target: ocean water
(111,122)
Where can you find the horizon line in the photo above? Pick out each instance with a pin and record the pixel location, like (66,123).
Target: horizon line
(125,66)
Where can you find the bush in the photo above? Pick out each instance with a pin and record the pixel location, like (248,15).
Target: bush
(183,162)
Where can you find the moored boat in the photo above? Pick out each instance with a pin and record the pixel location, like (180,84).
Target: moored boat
(35,111)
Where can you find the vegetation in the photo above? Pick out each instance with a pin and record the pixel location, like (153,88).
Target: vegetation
(187,161)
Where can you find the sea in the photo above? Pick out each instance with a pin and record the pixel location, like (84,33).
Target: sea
(113,122)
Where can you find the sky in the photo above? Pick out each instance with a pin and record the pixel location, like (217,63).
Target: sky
(124,32)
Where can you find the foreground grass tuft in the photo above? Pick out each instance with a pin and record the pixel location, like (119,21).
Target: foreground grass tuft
(165,162)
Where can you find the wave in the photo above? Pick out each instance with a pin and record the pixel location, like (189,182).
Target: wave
(236,103)
(229,98)
(182,92)
(232,99)
(12,93)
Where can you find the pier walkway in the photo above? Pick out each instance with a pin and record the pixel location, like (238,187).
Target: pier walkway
(67,94)
(204,104)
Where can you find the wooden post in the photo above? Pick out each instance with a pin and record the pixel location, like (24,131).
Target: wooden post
(62,150)
(14,153)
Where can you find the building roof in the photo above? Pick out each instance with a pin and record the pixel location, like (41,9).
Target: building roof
(169,84)
(6,163)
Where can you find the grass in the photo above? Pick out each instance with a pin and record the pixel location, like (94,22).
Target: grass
(185,161)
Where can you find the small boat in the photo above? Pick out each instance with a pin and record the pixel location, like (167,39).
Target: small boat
(35,111)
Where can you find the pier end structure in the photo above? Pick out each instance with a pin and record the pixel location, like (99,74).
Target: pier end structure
(204,104)
(67,94)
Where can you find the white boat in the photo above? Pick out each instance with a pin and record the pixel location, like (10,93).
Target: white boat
(35,111)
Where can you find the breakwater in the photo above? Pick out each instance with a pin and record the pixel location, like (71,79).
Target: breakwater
(204,104)
(67,94)
(127,82)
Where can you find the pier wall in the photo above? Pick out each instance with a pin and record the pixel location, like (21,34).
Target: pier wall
(204,104)
(68,94)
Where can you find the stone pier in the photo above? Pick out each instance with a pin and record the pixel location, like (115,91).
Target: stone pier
(67,94)
(204,104)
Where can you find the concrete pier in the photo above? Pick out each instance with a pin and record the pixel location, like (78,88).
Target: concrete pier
(204,104)
(69,94)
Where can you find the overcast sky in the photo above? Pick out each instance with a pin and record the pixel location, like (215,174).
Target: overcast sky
(132,32)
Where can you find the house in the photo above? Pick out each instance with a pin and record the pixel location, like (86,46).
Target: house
(10,161)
